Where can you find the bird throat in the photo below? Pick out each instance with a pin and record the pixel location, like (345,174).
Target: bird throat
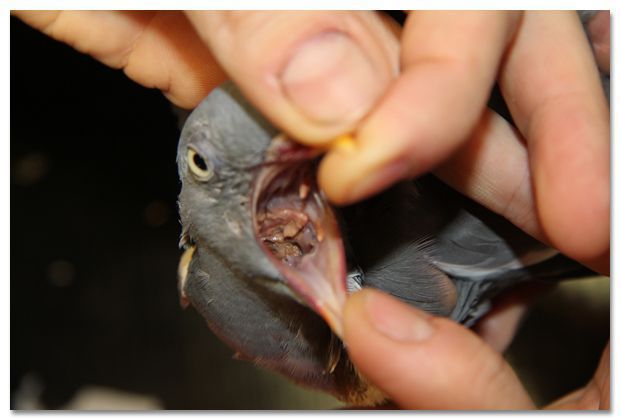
(297,229)
(283,222)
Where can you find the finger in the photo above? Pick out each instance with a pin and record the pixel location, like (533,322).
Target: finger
(449,62)
(492,168)
(156,49)
(423,362)
(598,28)
(499,326)
(553,90)
(313,74)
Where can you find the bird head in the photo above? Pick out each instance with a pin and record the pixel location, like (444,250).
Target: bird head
(251,197)
(264,261)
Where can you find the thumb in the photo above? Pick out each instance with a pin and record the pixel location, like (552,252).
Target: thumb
(426,362)
(314,74)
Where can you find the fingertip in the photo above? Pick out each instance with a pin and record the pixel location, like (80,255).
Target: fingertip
(430,109)
(499,326)
(351,175)
(177,62)
(579,227)
(377,325)
(337,170)
(194,91)
(426,362)
(556,99)
(387,316)
(572,182)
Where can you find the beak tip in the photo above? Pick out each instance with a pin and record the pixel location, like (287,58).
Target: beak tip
(333,316)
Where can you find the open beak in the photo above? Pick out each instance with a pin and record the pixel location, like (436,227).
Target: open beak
(298,230)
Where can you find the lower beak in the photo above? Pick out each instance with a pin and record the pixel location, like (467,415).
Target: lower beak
(299,232)
(331,312)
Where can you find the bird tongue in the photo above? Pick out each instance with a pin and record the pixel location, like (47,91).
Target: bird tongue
(297,229)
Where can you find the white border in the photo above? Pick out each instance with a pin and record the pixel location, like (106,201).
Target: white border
(274,5)
(305,5)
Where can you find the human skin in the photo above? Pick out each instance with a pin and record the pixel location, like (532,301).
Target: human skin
(415,100)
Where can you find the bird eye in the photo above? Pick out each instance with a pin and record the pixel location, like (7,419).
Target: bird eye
(198,165)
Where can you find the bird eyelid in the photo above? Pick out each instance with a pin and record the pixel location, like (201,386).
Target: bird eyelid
(199,165)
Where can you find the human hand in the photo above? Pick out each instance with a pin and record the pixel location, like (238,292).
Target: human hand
(415,104)
(535,177)
(432,363)
(433,111)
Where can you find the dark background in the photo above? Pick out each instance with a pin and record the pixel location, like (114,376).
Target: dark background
(94,236)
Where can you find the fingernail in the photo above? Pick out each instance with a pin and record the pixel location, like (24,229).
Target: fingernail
(396,320)
(330,79)
(377,180)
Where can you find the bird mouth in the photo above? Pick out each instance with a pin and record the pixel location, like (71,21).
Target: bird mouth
(298,230)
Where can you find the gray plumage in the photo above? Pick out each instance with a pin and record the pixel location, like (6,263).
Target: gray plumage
(229,280)
(419,241)
(437,250)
